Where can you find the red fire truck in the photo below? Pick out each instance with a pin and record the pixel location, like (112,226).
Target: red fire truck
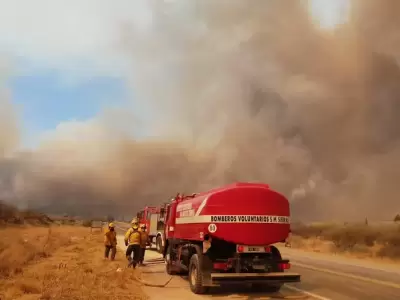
(153,218)
(226,236)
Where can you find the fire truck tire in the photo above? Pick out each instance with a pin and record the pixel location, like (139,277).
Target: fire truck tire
(159,244)
(168,265)
(196,276)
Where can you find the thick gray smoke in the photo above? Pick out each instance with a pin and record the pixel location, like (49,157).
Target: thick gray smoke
(240,93)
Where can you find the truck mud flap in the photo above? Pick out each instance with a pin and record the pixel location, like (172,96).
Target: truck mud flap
(276,277)
(207,267)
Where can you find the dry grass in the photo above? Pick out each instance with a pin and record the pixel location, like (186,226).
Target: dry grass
(355,239)
(61,263)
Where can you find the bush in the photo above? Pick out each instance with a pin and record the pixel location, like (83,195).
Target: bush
(390,238)
(87,223)
(309,231)
(342,238)
(348,236)
(355,237)
(389,251)
(397,218)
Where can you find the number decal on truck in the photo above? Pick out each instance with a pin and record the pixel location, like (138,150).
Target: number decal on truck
(212,228)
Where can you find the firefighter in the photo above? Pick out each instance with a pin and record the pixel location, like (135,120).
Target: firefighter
(144,242)
(110,242)
(133,241)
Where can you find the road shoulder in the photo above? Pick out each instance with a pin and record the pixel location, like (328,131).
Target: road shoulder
(154,272)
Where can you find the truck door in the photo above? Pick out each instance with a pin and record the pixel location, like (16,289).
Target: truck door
(161,219)
(153,217)
(170,220)
(167,221)
(140,216)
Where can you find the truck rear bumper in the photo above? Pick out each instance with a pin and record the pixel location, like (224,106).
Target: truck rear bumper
(267,278)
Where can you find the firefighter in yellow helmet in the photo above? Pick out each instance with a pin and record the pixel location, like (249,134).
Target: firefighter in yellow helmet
(144,242)
(110,242)
(133,241)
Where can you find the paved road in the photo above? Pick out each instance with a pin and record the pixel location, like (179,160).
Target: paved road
(324,277)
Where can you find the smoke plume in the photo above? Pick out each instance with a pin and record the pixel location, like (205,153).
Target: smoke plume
(238,92)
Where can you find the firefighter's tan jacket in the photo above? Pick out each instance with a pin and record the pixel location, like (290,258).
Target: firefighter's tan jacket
(133,237)
(144,238)
(110,238)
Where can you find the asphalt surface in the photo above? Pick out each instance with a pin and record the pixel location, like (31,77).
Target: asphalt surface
(324,277)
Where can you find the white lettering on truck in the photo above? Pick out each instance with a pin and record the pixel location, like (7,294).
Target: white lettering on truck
(250,219)
(261,219)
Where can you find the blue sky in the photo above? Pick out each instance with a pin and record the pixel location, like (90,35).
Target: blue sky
(50,42)
(65,60)
(46,99)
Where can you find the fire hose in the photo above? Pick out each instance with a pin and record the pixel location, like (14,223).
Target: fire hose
(152,284)
(145,283)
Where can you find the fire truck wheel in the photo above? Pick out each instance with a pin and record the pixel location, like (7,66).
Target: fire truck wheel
(196,276)
(159,244)
(169,262)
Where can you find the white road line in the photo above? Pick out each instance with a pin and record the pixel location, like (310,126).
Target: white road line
(289,287)
(348,275)
(353,262)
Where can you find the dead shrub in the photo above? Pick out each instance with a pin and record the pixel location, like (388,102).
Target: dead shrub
(397,218)
(389,251)
(342,239)
(310,231)
(390,237)
(87,223)
(347,237)
(361,249)
(356,238)
(30,286)
(365,235)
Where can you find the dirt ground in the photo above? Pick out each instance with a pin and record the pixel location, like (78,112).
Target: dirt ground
(61,263)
